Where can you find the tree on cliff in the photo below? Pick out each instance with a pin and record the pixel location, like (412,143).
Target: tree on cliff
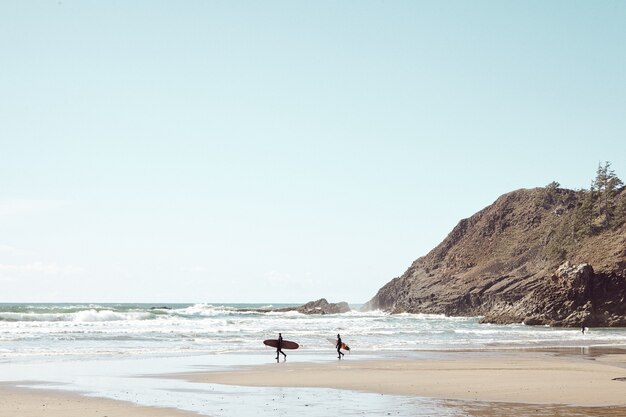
(620,211)
(607,184)
(551,193)
(583,215)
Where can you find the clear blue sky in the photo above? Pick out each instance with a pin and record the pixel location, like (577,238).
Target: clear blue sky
(282,151)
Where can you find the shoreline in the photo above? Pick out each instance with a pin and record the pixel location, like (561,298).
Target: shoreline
(520,377)
(530,381)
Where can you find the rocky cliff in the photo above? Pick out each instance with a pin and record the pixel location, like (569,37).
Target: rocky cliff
(533,256)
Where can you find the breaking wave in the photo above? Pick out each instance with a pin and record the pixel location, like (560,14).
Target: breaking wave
(181,329)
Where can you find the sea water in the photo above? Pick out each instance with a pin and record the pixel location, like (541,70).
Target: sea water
(84,330)
(122,351)
(30,331)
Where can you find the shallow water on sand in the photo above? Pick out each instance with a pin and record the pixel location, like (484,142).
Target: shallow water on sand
(142,382)
(145,382)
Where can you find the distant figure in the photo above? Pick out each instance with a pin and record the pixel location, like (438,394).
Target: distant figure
(339,345)
(279,348)
(582,329)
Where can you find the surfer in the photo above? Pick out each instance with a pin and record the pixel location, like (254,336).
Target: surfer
(339,345)
(279,348)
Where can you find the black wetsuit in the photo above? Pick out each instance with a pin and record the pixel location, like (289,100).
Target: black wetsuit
(279,348)
(339,344)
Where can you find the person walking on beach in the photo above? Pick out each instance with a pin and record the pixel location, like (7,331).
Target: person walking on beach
(279,348)
(339,345)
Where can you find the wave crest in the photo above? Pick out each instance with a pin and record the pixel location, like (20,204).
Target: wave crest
(91,315)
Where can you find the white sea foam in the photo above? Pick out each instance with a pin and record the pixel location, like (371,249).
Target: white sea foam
(80,316)
(61,330)
(107,315)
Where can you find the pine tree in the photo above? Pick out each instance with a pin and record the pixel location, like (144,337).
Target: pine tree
(613,183)
(585,212)
(607,184)
(620,209)
(600,184)
(550,195)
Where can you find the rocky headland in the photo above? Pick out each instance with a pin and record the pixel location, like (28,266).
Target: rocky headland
(539,256)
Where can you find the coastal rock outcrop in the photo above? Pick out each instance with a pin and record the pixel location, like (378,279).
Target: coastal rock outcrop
(572,296)
(322,306)
(525,258)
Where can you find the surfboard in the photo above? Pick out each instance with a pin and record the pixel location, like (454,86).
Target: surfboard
(287,344)
(343,345)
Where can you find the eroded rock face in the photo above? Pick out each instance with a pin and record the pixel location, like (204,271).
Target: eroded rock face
(573,296)
(502,264)
(572,276)
(322,306)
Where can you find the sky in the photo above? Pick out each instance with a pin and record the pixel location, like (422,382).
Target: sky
(283,151)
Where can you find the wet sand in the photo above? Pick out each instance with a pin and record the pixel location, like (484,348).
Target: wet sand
(477,384)
(23,402)
(512,377)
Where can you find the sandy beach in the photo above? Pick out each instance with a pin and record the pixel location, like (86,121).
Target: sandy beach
(516,377)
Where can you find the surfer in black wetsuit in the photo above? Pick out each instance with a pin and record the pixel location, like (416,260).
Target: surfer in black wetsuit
(279,348)
(339,345)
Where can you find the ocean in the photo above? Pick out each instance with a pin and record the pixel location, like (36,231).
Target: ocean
(35,331)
